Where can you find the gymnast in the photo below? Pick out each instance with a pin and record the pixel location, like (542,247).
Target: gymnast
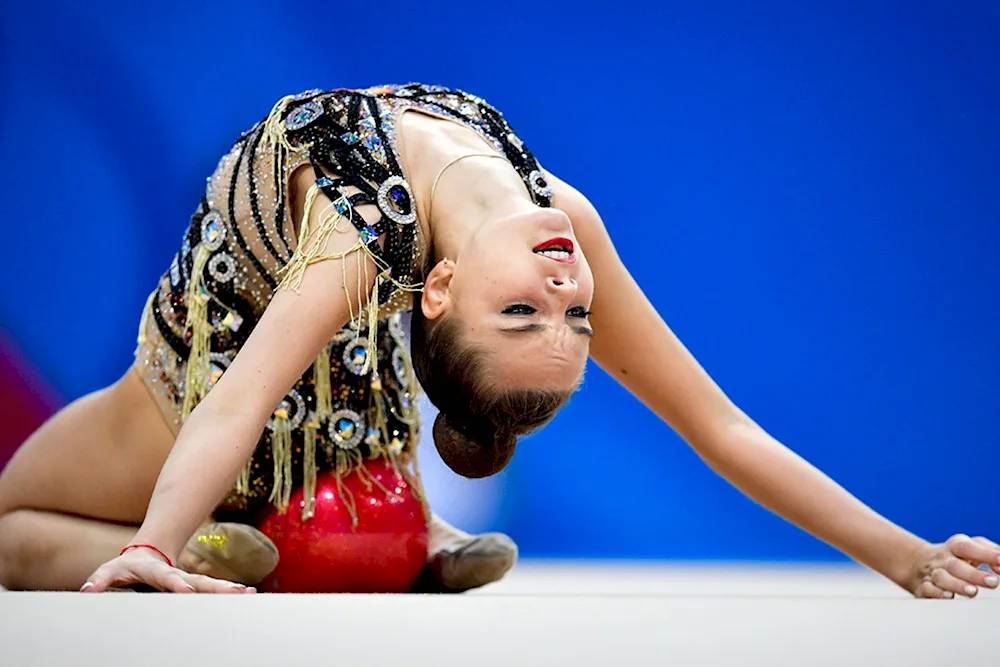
(333,215)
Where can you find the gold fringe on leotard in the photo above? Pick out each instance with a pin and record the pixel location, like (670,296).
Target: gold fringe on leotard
(197,377)
(309,471)
(281,454)
(321,384)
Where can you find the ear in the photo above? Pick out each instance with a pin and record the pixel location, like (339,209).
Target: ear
(435,299)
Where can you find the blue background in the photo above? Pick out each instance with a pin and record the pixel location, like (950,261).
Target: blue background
(807,191)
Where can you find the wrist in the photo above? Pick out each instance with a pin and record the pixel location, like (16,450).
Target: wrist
(901,560)
(168,547)
(152,548)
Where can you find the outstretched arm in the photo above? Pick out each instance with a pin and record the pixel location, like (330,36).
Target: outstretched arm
(636,347)
(223,430)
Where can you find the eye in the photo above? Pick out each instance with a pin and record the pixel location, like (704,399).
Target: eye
(518,309)
(578,312)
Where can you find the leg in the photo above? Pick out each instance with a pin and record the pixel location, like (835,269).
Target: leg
(95,463)
(67,492)
(51,551)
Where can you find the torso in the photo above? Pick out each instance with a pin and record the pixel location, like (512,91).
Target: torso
(244,232)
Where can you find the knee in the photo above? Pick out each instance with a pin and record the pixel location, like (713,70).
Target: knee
(18,550)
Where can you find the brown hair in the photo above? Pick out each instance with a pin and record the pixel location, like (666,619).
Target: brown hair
(478,423)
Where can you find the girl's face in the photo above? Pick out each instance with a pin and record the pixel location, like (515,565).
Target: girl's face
(522,289)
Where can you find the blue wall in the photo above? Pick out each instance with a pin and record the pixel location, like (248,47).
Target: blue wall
(808,192)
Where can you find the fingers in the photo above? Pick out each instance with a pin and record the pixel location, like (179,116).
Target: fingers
(201,584)
(970,576)
(929,590)
(103,579)
(989,544)
(159,575)
(170,579)
(978,550)
(949,583)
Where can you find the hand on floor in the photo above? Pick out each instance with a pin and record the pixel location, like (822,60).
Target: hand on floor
(954,568)
(141,566)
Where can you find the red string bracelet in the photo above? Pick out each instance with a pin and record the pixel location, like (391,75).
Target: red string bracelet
(151,548)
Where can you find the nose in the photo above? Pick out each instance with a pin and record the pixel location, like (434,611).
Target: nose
(564,288)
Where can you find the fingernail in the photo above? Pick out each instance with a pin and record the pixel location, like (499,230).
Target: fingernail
(992,581)
(87,585)
(970,590)
(236,585)
(190,587)
(948,595)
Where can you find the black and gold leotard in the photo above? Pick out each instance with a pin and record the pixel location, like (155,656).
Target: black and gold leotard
(358,399)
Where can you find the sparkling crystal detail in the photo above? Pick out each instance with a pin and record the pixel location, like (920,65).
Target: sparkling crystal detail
(303,115)
(399,209)
(292,407)
(368,233)
(175,274)
(222,267)
(213,230)
(217,365)
(324,182)
(347,428)
(350,138)
(372,142)
(232,321)
(538,184)
(355,357)
(399,368)
(307,93)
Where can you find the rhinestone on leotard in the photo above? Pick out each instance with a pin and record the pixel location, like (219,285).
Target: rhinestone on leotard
(538,184)
(395,199)
(222,267)
(346,429)
(213,230)
(292,408)
(303,115)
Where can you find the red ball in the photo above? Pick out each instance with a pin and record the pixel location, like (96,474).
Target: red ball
(385,553)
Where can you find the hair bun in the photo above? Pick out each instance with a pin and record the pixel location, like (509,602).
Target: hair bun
(472,455)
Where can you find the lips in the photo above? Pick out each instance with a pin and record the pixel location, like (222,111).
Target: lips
(558,243)
(557,249)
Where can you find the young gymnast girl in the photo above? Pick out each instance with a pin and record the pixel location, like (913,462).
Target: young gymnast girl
(327,219)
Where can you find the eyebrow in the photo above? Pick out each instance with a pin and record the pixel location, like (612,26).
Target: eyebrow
(527,328)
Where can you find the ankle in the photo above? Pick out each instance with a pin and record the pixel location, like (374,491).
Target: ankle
(440,532)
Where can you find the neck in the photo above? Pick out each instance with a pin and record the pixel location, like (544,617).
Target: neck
(472,192)
(469,193)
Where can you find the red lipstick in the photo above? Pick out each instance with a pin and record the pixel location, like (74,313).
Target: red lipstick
(558,243)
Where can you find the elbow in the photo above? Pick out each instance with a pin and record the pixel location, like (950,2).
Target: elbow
(715,439)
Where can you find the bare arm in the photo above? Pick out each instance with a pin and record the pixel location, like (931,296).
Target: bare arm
(637,348)
(223,430)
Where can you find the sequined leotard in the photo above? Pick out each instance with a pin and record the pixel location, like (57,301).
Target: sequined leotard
(238,250)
